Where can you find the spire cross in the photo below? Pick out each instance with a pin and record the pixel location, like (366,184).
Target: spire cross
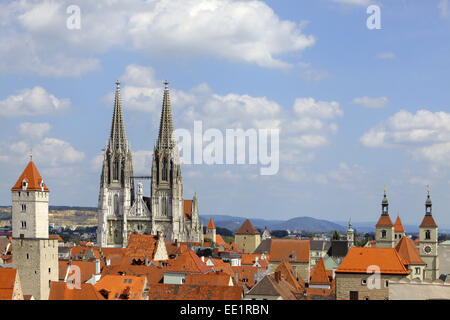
(428,189)
(31,154)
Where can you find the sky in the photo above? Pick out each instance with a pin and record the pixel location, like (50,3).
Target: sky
(358,108)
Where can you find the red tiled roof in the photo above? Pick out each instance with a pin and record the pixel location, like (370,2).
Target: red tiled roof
(407,249)
(282,250)
(193,292)
(188,209)
(428,222)
(208,279)
(246,274)
(7,283)
(289,275)
(187,261)
(220,241)
(249,259)
(141,246)
(56,237)
(32,177)
(211,224)
(154,274)
(87,268)
(80,252)
(220,265)
(247,228)
(124,287)
(319,275)
(358,260)
(60,291)
(398,227)
(384,221)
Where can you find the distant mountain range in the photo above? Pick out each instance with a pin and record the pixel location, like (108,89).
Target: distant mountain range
(301,223)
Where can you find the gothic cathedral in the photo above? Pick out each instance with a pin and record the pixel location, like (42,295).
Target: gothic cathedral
(121,211)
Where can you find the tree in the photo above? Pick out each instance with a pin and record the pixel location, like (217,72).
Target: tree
(336,235)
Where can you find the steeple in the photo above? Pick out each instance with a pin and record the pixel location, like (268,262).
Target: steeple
(166,125)
(428,204)
(118,137)
(385,205)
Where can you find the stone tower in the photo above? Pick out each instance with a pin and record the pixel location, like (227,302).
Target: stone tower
(384,236)
(117,184)
(35,256)
(428,242)
(167,204)
(211,231)
(350,235)
(399,231)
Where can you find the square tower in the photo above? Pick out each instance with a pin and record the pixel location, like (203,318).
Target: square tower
(35,256)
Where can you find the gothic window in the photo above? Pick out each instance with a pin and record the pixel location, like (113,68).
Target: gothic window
(116,169)
(164,170)
(116,204)
(383,234)
(427,235)
(171,171)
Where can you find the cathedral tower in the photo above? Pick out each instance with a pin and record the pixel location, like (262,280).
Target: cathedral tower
(116,184)
(384,236)
(167,205)
(428,242)
(35,256)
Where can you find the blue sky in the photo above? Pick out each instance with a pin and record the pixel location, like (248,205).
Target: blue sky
(357,109)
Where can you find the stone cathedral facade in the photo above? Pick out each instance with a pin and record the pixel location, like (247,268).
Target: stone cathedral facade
(121,210)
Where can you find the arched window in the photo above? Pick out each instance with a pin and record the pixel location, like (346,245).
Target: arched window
(164,170)
(171,171)
(116,169)
(116,204)
(427,235)
(383,234)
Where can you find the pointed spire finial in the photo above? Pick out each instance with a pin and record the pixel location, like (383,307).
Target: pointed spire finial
(31,154)
(428,190)
(166,85)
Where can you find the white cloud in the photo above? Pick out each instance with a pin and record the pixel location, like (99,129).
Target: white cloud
(426,134)
(386,55)
(371,103)
(35,38)
(32,102)
(34,130)
(319,109)
(304,126)
(54,152)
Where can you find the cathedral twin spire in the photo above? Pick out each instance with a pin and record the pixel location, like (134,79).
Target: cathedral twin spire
(165,140)
(118,138)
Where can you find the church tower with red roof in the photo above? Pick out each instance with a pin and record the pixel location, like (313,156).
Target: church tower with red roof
(428,242)
(384,235)
(35,256)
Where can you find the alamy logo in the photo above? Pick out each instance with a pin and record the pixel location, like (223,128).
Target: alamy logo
(374,20)
(237,147)
(374,281)
(73,22)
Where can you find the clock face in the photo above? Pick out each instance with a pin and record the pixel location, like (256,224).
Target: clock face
(427,249)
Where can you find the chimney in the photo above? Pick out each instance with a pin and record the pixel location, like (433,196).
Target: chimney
(97,266)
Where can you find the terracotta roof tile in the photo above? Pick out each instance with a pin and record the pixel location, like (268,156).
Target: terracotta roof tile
(60,291)
(289,250)
(7,283)
(246,274)
(193,292)
(247,228)
(211,224)
(249,259)
(398,227)
(154,274)
(408,250)
(187,261)
(32,177)
(359,259)
(288,274)
(56,237)
(270,285)
(122,287)
(428,222)
(319,275)
(87,268)
(209,279)
(188,209)
(384,221)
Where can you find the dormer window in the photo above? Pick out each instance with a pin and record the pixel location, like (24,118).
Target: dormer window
(42,185)
(24,184)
